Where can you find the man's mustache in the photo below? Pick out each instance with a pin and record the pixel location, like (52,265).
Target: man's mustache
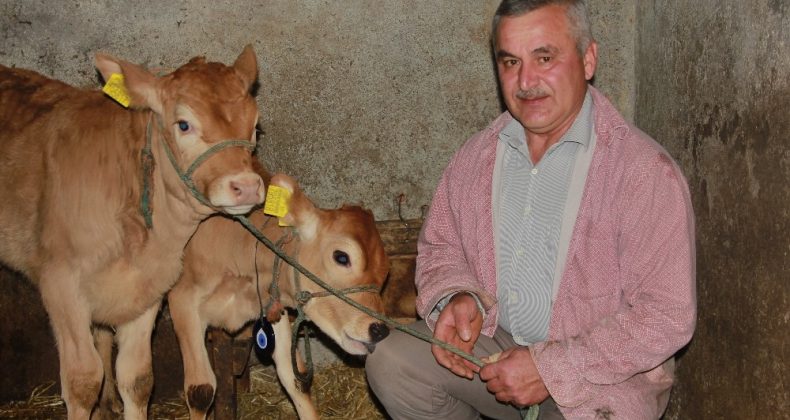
(532,93)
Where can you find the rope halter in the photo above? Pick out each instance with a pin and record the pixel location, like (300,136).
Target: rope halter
(147,160)
(303,380)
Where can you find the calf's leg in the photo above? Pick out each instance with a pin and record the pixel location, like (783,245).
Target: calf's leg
(133,366)
(285,369)
(199,380)
(110,406)
(80,365)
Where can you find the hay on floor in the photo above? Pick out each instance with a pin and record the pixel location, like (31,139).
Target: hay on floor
(45,403)
(42,403)
(339,391)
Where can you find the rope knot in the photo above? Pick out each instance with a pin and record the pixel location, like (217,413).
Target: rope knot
(303,297)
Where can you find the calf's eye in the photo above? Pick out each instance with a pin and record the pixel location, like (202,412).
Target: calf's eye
(341,258)
(183,126)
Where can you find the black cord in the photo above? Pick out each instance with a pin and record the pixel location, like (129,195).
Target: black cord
(257,281)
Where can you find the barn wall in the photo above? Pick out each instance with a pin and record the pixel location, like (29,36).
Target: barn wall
(714,87)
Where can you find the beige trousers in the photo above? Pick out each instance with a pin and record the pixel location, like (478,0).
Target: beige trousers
(405,377)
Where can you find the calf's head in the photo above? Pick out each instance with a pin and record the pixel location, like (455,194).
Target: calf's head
(343,248)
(207,116)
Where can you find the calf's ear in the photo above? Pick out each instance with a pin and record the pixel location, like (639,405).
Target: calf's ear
(302,213)
(247,66)
(139,82)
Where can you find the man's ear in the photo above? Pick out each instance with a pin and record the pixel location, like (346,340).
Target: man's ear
(141,84)
(590,60)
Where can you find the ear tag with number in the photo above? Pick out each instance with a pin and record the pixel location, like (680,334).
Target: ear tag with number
(116,89)
(263,333)
(276,204)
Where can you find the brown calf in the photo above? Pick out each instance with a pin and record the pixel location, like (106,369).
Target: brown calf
(218,287)
(72,176)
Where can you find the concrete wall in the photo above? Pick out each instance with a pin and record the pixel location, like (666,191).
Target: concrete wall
(714,87)
(362,100)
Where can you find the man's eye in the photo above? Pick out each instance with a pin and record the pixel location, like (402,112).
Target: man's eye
(183,126)
(544,60)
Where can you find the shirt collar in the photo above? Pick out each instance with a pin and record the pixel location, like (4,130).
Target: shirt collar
(513,133)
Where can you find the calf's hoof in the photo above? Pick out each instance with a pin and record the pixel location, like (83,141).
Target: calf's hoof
(200,397)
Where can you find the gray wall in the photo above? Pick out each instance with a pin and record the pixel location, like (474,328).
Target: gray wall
(361,100)
(713,82)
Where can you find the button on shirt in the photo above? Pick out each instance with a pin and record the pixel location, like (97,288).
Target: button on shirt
(532,205)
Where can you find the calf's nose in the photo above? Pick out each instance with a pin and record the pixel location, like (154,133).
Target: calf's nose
(378,331)
(247,190)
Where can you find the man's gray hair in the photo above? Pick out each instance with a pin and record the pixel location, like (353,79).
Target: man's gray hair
(575,10)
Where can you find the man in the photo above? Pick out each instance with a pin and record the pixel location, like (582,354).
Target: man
(560,236)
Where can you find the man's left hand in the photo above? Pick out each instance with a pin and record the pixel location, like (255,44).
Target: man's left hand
(514,378)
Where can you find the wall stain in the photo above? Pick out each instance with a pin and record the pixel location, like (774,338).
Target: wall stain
(715,87)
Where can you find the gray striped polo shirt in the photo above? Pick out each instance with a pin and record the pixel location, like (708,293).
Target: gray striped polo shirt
(532,201)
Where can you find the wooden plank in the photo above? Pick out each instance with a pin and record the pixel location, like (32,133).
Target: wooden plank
(400,243)
(221,353)
(399,237)
(399,293)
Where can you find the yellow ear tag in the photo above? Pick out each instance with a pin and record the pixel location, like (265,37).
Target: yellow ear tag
(277,199)
(115,88)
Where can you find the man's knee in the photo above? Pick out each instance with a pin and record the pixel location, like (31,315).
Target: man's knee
(408,382)
(398,369)
(381,366)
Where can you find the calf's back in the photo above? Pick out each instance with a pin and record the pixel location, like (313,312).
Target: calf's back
(67,159)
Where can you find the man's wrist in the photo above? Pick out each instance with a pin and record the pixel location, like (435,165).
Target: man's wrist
(446,300)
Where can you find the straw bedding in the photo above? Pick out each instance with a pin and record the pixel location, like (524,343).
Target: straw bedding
(339,392)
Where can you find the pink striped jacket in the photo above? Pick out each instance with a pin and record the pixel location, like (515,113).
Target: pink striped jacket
(626,300)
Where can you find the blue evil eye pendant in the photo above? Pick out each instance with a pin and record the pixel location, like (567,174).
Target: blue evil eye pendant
(263,334)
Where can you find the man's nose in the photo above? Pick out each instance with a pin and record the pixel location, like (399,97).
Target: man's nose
(527,76)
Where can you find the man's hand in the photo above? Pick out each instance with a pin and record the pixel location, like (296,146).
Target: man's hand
(513,378)
(459,324)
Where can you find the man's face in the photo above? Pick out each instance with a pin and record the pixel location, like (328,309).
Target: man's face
(542,76)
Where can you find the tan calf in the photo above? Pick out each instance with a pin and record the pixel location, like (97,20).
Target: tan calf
(72,176)
(218,287)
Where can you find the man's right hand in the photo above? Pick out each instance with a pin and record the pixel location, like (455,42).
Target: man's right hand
(459,324)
